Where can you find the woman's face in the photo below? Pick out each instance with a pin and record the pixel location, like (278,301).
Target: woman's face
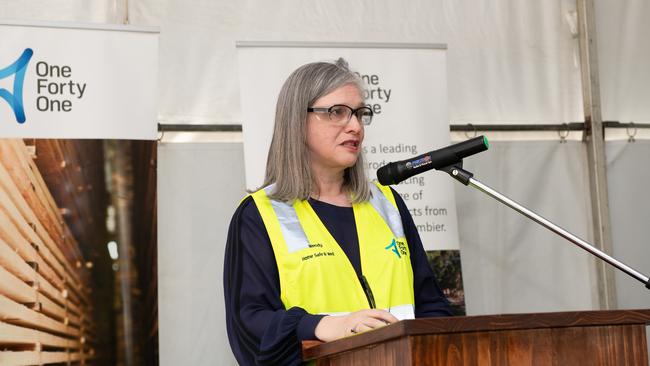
(334,146)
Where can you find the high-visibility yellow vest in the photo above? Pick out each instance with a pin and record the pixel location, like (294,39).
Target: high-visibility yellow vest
(316,275)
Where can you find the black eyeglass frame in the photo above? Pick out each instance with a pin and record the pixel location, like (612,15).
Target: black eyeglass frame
(353,111)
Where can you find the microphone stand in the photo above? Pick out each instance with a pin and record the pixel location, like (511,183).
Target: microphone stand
(457,172)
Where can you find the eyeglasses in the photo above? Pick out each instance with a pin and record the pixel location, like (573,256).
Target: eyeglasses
(341,113)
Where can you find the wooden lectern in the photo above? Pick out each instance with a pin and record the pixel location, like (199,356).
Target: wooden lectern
(567,338)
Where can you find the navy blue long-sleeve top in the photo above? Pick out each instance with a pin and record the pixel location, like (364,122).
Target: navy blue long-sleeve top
(260,329)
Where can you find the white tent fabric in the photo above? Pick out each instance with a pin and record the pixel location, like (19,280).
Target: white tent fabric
(79,11)
(624,56)
(511,264)
(195,206)
(509,61)
(629,202)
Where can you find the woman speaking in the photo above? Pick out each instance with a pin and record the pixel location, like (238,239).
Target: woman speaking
(319,252)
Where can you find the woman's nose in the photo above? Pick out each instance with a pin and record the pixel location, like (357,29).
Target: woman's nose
(354,125)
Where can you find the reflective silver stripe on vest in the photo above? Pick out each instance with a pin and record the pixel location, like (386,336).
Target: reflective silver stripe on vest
(295,236)
(387,211)
(292,231)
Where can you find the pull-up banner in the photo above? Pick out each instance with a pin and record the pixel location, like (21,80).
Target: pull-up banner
(405,85)
(78,81)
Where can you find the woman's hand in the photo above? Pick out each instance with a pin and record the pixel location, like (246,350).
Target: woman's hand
(333,327)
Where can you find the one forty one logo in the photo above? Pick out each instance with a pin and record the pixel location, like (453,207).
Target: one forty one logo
(54,87)
(397,247)
(15,98)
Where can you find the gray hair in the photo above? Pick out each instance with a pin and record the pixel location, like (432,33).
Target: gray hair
(287,164)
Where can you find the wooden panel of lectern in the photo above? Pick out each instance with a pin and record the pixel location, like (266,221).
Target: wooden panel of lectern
(566,338)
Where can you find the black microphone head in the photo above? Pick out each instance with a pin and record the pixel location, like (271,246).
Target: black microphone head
(472,146)
(385,174)
(396,172)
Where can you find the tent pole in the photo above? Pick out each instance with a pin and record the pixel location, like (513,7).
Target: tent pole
(595,144)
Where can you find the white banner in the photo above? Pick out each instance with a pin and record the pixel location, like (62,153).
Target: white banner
(78,81)
(406,87)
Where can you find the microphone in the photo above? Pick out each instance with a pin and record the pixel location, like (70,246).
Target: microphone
(395,172)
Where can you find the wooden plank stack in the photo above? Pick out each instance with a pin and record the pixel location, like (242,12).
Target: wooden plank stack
(45,305)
